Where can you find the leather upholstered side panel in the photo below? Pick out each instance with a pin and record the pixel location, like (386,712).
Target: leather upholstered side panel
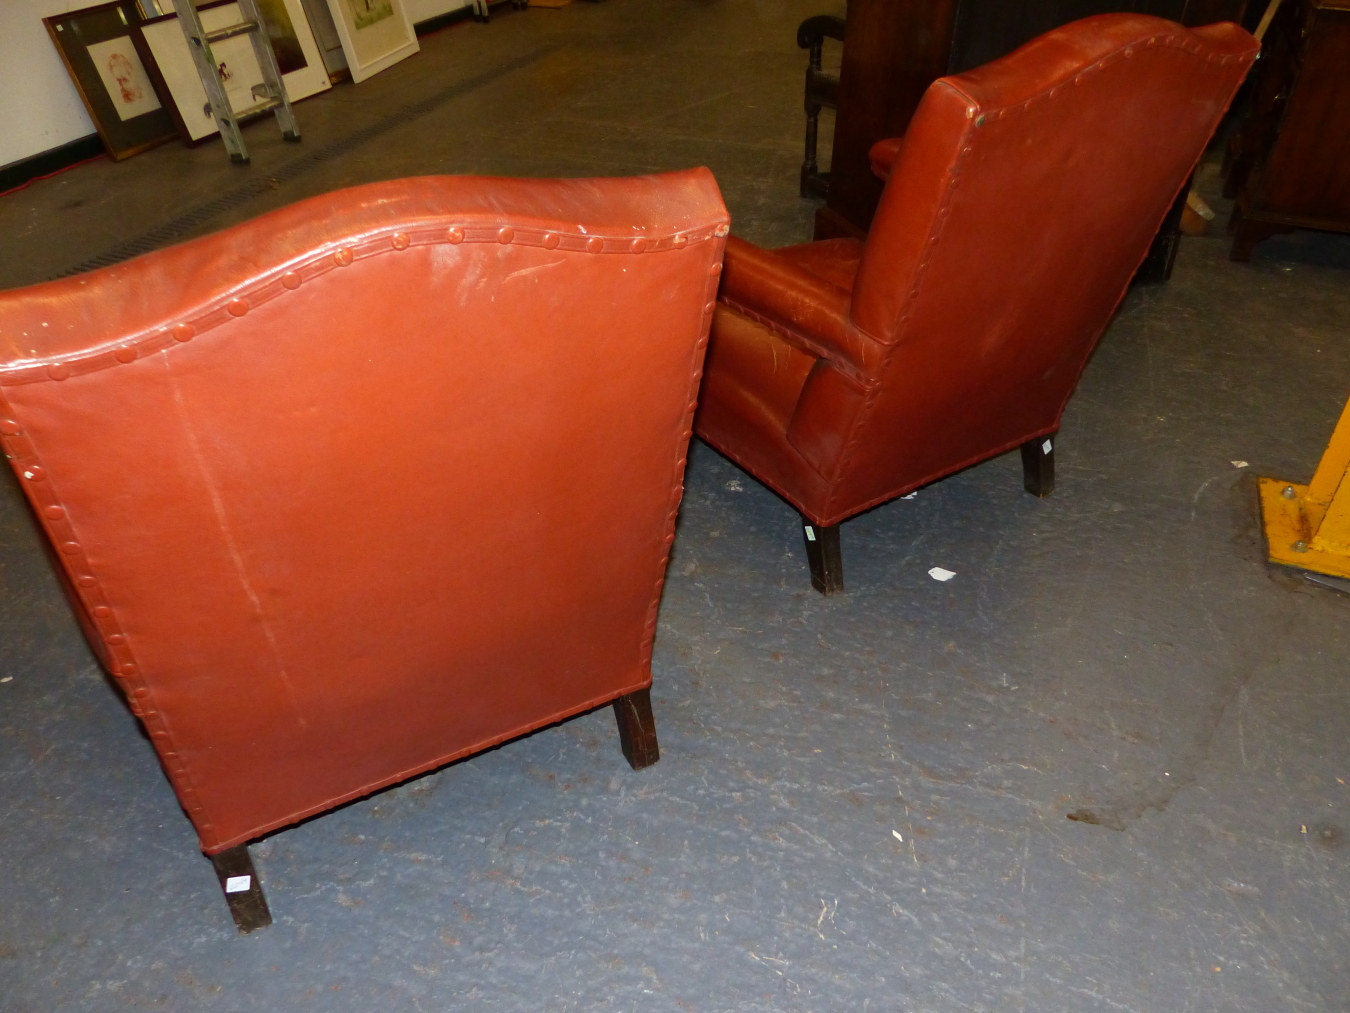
(375,481)
(1025,196)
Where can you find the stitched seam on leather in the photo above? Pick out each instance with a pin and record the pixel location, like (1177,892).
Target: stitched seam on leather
(696,357)
(377,785)
(1127,50)
(859,420)
(41,492)
(294,275)
(935,476)
(728,447)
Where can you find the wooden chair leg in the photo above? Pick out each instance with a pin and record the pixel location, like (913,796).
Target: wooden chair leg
(637,729)
(822,552)
(1038,466)
(243,889)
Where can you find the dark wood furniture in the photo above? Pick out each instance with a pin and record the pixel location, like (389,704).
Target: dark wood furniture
(1289,165)
(822,92)
(893,50)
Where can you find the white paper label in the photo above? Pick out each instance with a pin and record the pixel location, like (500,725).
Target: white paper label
(1046,447)
(810,533)
(938,573)
(238,884)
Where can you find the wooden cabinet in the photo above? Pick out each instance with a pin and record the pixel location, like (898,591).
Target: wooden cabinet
(894,49)
(1290,162)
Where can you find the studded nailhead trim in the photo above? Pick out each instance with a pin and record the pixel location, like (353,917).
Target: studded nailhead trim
(291,277)
(122,662)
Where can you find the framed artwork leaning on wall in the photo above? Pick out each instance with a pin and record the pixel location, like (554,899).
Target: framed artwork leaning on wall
(168,57)
(98,47)
(376,34)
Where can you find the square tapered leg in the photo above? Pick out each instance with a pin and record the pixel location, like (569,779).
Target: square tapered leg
(637,729)
(822,552)
(243,889)
(1038,466)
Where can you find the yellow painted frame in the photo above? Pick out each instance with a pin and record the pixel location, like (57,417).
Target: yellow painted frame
(1308,526)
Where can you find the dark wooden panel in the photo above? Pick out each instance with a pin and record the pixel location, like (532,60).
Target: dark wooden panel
(1290,162)
(894,49)
(1308,174)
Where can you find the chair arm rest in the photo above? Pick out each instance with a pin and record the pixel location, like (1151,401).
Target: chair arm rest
(804,309)
(883,155)
(813,31)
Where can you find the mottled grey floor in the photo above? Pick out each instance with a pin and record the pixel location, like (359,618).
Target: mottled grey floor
(861,801)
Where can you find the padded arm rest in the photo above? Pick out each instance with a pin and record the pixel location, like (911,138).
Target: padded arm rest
(805,309)
(883,156)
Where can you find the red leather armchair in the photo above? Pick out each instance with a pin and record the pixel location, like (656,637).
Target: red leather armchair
(372,482)
(1019,203)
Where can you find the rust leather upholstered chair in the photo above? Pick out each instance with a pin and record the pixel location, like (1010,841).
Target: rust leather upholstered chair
(372,482)
(1024,195)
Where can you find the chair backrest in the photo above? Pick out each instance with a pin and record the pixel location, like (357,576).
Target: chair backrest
(1026,195)
(373,481)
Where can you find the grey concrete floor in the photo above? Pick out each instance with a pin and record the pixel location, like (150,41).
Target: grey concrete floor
(1120,649)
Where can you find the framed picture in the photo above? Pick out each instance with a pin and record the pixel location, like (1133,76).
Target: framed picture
(98,47)
(375,34)
(169,58)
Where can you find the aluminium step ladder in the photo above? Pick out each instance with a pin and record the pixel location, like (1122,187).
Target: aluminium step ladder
(271,93)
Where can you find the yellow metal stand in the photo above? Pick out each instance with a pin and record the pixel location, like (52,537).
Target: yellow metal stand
(1308,526)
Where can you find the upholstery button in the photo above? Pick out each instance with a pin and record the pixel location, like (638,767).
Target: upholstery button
(680,240)
(9,427)
(400,241)
(292,280)
(183,332)
(638,245)
(54,512)
(102,612)
(595,244)
(58,371)
(551,240)
(129,669)
(237,307)
(343,257)
(141,692)
(716,269)
(125,353)
(455,234)
(85,580)
(117,640)
(505,235)
(70,548)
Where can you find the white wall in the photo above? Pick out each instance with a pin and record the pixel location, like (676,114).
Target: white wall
(40,108)
(424,10)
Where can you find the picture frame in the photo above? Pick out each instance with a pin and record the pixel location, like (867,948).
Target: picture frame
(375,34)
(170,62)
(98,46)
